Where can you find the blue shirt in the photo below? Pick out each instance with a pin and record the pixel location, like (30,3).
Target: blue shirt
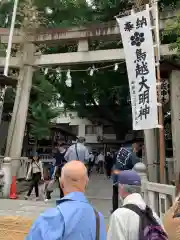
(51,170)
(77,152)
(70,220)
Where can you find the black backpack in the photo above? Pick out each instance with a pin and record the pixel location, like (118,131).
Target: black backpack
(149,228)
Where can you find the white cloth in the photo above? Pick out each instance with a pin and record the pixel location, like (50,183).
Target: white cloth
(35,167)
(96,160)
(91,157)
(124,223)
(100,158)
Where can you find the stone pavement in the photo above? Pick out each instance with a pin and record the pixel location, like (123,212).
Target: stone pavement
(99,193)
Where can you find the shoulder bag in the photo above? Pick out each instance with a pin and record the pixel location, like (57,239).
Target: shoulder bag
(76,152)
(97,224)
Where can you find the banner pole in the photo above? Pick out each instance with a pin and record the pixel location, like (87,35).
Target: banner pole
(160,107)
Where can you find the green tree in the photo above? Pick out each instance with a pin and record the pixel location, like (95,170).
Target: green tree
(41,111)
(76,12)
(105,96)
(172,31)
(41,107)
(102,98)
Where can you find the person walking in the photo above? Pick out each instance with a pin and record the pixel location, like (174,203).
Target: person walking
(73,218)
(108,164)
(59,163)
(35,174)
(101,160)
(96,162)
(78,151)
(125,160)
(91,163)
(134,220)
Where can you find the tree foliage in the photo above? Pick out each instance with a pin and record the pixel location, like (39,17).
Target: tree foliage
(41,107)
(172,30)
(41,111)
(104,97)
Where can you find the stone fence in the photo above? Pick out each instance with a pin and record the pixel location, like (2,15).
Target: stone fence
(158,196)
(15,167)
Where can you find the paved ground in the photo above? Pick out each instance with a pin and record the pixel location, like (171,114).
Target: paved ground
(99,193)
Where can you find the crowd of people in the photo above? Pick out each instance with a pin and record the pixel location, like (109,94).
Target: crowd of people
(74,218)
(63,154)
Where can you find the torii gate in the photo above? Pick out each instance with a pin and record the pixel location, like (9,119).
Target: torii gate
(29,60)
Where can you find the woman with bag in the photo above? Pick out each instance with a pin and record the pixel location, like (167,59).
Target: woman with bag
(35,174)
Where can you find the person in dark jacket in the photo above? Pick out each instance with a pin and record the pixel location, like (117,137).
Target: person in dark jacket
(125,160)
(108,164)
(60,162)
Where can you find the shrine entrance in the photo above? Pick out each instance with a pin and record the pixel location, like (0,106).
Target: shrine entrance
(31,59)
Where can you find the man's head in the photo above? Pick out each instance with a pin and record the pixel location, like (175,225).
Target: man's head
(135,147)
(81,140)
(129,182)
(74,177)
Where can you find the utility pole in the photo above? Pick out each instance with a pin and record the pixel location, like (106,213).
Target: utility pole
(150,135)
(8,54)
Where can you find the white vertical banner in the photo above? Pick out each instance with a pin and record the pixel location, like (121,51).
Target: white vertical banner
(140,61)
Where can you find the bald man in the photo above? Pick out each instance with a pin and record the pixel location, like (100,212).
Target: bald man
(73,218)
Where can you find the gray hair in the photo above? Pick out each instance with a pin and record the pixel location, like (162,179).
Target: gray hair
(132,188)
(81,139)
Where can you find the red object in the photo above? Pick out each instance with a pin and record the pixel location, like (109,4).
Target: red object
(13,189)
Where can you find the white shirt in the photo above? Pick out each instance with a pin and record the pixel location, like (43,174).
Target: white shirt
(35,167)
(100,158)
(91,157)
(124,223)
(96,160)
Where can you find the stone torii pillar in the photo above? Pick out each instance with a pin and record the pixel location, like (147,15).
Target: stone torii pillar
(175,121)
(18,121)
(151,153)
